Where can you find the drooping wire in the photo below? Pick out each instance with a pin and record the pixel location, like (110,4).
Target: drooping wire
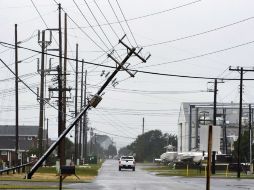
(101,27)
(118,20)
(106,19)
(126,22)
(141,71)
(98,23)
(90,24)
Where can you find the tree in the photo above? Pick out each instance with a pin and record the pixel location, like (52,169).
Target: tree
(150,145)
(244,149)
(111,150)
(124,151)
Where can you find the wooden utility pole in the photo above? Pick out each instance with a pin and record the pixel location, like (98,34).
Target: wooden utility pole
(143,126)
(61,148)
(76,108)
(16,97)
(47,137)
(65,71)
(250,136)
(208,171)
(85,124)
(215,90)
(41,116)
(81,106)
(241,70)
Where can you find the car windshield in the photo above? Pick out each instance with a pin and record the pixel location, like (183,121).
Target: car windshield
(127,157)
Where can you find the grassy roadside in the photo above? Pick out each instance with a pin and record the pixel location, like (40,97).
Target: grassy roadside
(47,178)
(160,170)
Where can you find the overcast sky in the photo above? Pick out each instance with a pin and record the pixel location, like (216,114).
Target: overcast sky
(188,37)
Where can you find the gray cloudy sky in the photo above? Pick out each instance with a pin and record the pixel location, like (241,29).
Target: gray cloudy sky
(166,29)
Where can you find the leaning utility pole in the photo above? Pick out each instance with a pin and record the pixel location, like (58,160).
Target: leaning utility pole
(241,70)
(16,97)
(93,102)
(41,116)
(76,108)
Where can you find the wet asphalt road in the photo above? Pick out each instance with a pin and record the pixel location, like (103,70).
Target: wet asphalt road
(110,178)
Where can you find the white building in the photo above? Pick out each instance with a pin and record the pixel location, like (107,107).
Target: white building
(195,114)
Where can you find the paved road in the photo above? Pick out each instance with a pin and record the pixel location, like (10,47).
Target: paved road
(110,178)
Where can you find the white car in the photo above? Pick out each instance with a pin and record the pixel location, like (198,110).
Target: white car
(127,162)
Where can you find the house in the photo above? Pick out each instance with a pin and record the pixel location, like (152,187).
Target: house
(194,115)
(27,140)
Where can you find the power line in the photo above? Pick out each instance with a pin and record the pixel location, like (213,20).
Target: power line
(201,55)
(148,15)
(142,71)
(90,24)
(118,21)
(106,19)
(200,33)
(39,13)
(113,134)
(98,23)
(126,22)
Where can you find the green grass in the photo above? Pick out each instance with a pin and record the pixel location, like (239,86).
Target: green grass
(27,187)
(86,174)
(168,171)
(90,170)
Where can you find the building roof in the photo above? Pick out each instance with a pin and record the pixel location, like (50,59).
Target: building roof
(24,130)
(8,143)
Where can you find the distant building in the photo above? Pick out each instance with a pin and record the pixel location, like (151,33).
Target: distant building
(194,115)
(27,140)
(103,140)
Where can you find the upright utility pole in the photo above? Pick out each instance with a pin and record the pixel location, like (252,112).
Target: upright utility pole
(47,137)
(16,97)
(208,171)
(85,124)
(214,121)
(64,71)
(143,126)
(241,70)
(215,90)
(61,148)
(81,106)
(225,144)
(250,133)
(76,108)
(41,116)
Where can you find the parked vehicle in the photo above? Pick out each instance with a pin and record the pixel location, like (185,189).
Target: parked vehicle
(127,162)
